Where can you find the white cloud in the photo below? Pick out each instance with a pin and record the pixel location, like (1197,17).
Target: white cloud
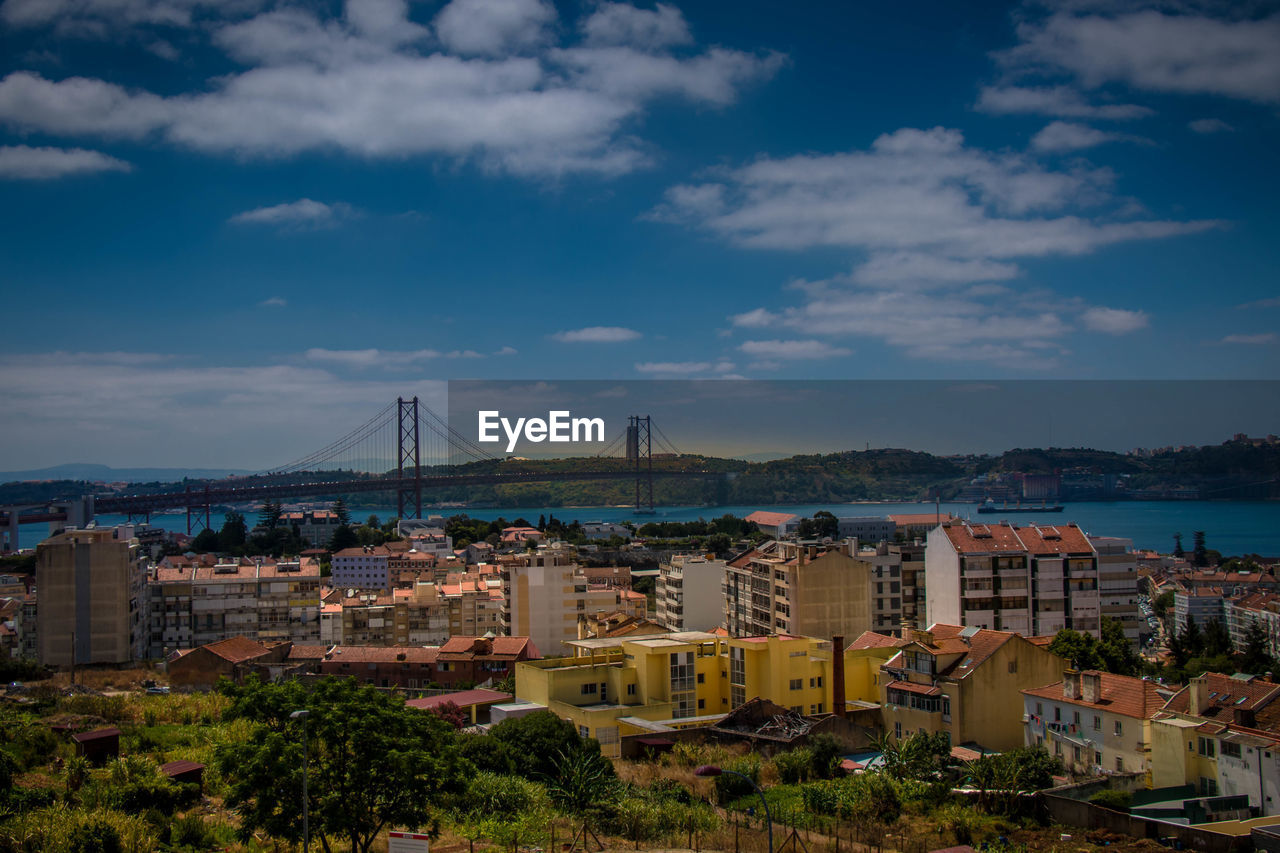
(368,358)
(132,408)
(100,18)
(1269,302)
(371,84)
(792,349)
(918,191)
(274,302)
(1069,136)
(597,335)
(674,367)
(40,164)
(897,268)
(1053,101)
(1190,53)
(463,353)
(301,214)
(1251,340)
(1115,321)
(494,27)
(757,318)
(508,350)
(1210,125)
(624,24)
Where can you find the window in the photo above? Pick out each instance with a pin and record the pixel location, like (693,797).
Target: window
(1119,764)
(1075,717)
(1206,747)
(702,703)
(588,689)
(897,731)
(1013,666)
(702,679)
(1231,749)
(1057,715)
(1039,709)
(1097,723)
(1118,729)
(631,690)
(797,683)
(1075,752)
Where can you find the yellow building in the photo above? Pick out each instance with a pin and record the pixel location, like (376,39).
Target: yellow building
(1094,720)
(966,682)
(617,686)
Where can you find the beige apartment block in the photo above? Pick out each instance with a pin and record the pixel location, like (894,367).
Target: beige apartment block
(544,595)
(813,590)
(687,593)
(92,590)
(258,598)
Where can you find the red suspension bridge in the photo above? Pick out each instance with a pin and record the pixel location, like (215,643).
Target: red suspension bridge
(406,448)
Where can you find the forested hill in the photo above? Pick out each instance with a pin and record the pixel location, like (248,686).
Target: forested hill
(1233,469)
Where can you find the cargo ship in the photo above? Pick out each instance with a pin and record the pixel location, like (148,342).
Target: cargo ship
(989,506)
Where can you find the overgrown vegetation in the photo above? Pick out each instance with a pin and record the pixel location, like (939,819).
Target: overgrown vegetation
(374,763)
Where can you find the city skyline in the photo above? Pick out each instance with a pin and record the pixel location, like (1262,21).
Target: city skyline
(249,214)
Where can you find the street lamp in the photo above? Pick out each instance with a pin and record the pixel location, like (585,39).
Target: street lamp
(713,770)
(306,830)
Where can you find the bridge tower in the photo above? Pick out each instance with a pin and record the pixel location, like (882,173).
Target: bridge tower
(408,494)
(640,452)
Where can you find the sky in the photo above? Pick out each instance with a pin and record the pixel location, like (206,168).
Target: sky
(233,230)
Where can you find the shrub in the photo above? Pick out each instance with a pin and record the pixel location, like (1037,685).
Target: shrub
(1112,799)
(487,753)
(730,787)
(94,835)
(825,753)
(795,766)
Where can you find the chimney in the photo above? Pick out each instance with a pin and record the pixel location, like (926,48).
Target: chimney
(800,555)
(1091,686)
(1197,697)
(907,626)
(1070,684)
(837,676)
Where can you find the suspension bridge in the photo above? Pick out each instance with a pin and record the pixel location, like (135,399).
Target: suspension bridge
(406,448)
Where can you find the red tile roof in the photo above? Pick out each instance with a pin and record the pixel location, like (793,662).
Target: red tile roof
(770,519)
(1120,694)
(237,649)
(383,654)
(463,699)
(872,640)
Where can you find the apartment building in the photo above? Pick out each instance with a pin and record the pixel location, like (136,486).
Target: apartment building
(314,526)
(687,593)
(911,559)
(632,685)
(1033,580)
(1118,584)
(814,590)
(259,598)
(965,682)
(1199,604)
(1094,721)
(460,661)
(545,592)
(92,587)
(1253,608)
(1221,734)
(366,567)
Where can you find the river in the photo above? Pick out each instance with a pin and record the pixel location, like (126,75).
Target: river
(1230,527)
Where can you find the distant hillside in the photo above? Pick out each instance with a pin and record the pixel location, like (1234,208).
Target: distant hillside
(105,474)
(1236,470)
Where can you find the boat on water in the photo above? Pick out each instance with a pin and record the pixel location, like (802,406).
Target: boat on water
(989,506)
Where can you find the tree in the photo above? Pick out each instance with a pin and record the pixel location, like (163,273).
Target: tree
(234,532)
(537,739)
(373,763)
(1199,554)
(1217,639)
(1079,648)
(1115,652)
(1257,654)
(343,537)
(340,510)
(1177,546)
(719,543)
(269,515)
(206,542)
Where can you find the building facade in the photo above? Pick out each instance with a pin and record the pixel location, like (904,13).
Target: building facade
(1095,722)
(1034,580)
(92,587)
(687,593)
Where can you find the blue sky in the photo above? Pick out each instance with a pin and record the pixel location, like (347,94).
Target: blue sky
(220,214)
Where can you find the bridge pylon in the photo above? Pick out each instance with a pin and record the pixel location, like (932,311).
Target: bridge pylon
(408,492)
(640,451)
